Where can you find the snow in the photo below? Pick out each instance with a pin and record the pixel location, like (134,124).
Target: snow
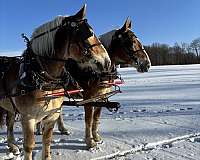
(158,120)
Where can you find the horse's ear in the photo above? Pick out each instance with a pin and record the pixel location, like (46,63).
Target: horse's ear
(130,24)
(127,25)
(81,13)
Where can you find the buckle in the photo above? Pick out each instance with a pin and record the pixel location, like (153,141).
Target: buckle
(23,92)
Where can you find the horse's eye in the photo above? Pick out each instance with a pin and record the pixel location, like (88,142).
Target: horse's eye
(73,24)
(119,36)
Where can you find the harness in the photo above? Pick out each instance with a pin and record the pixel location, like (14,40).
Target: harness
(33,73)
(92,79)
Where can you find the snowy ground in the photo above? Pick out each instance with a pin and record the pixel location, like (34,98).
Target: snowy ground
(159,120)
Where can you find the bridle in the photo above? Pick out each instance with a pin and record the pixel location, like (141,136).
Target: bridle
(119,41)
(83,29)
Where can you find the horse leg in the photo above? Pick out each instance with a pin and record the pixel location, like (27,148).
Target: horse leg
(46,141)
(61,126)
(28,126)
(10,119)
(95,124)
(88,126)
(49,123)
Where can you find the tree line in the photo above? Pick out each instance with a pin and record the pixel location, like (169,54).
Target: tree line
(178,54)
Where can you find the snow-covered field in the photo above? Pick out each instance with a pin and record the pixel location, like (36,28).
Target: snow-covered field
(159,120)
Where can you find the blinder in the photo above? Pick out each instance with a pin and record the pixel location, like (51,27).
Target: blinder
(84,30)
(80,28)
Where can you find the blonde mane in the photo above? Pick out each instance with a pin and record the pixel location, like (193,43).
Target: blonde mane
(106,38)
(44,45)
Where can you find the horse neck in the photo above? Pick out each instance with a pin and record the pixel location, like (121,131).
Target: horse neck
(51,44)
(53,65)
(61,52)
(106,40)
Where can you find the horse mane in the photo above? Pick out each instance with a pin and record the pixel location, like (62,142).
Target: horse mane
(106,38)
(44,44)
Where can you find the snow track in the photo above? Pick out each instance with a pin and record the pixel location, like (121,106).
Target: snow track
(149,146)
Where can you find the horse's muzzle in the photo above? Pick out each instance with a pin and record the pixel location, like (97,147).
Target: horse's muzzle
(144,67)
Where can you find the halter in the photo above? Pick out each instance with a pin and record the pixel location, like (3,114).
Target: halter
(118,41)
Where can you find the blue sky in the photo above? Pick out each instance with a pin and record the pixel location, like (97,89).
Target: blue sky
(163,21)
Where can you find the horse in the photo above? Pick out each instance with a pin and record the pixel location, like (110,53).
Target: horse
(41,71)
(123,47)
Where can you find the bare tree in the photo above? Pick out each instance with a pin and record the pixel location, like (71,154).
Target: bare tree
(163,54)
(195,45)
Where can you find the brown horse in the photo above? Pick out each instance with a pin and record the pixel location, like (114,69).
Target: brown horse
(26,84)
(123,47)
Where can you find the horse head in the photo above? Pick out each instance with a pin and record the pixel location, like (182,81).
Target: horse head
(71,37)
(83,45)
(129,48)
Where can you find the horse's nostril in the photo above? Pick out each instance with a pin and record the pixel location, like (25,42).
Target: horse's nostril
(148,66)
(144,67)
